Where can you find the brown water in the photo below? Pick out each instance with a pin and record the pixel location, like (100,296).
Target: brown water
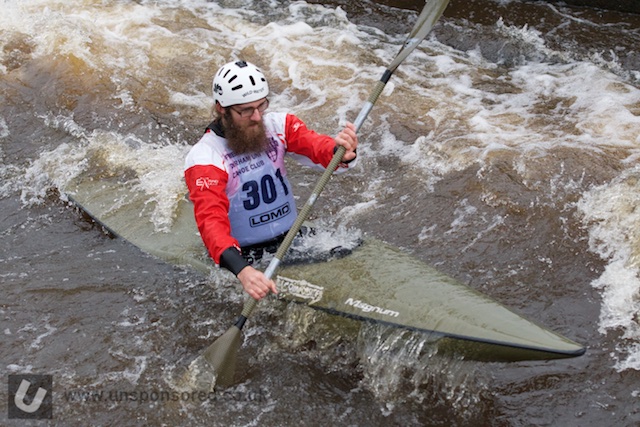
(504,152)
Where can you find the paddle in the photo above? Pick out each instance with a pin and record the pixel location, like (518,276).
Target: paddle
(221,355)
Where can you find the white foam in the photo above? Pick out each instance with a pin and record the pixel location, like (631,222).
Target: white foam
(4,130)
(613,220)
(394,359)
(37,343)
(23,369)
(158,169)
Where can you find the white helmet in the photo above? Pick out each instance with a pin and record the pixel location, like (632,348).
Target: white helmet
(239,82)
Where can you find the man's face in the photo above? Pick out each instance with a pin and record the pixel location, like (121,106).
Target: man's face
(244,128)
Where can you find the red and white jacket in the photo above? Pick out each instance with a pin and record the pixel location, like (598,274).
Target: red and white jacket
(247,199)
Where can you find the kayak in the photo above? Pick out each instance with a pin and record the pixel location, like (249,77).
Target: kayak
(401,291)
(405,292)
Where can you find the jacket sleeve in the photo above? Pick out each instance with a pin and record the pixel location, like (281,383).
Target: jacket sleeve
(206,184)
(318,148)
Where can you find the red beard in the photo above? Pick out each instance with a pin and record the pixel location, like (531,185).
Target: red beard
(245,137)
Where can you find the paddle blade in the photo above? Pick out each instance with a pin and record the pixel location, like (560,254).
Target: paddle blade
(222,354)
(217,365)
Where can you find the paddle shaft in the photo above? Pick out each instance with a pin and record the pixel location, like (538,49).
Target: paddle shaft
(424,24)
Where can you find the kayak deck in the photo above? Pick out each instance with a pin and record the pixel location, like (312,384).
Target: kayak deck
(404,292)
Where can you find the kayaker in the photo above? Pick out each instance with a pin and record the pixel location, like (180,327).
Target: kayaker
(236,175)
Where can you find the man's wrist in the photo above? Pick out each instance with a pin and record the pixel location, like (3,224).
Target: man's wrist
(232,260)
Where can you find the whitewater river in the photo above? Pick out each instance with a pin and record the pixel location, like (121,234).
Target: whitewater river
(505,151)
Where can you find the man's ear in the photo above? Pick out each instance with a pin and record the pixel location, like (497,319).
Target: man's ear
(219,108)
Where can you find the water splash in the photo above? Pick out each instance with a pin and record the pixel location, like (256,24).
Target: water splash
(401,365)
(199,375)
(611,215)
(146,167)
